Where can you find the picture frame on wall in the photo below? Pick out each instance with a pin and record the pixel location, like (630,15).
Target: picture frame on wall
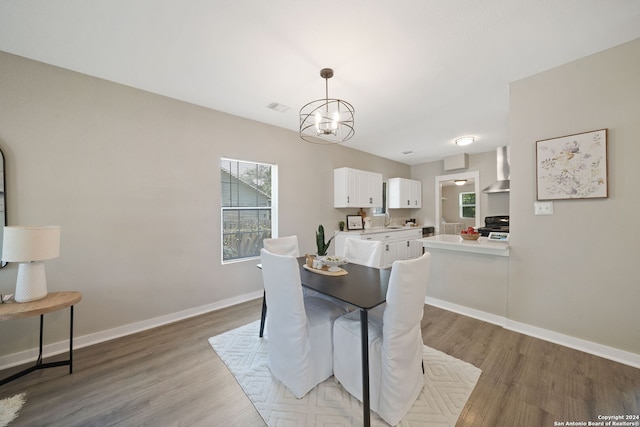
(572,166)
(354,222)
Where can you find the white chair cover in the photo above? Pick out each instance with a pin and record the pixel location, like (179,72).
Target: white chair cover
(363,252)
(395,344)
(300,343)
(282,245)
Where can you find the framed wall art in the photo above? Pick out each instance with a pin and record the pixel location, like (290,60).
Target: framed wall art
(572,167)
(354,222)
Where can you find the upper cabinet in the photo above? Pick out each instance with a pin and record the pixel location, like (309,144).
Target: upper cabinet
(353,188)
(404,193)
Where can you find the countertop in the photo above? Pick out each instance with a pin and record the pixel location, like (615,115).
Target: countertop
(453,242)
(373,230)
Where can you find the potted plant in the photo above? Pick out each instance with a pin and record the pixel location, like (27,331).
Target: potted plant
(341,224)
(320,243)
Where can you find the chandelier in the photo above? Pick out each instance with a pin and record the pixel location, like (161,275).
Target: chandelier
(328,120)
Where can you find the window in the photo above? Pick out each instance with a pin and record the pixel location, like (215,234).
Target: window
(249,213)
(383,209)
(467,205)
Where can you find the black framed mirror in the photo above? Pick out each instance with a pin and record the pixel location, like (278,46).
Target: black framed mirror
(3,203)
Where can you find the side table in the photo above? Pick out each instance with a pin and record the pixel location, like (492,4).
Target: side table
(54,301)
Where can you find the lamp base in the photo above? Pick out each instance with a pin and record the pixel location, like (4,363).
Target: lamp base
(32,282)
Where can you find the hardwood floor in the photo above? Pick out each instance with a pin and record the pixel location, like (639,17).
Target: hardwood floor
(170,376)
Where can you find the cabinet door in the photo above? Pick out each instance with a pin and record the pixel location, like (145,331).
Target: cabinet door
(415,189)
(403,250)
(393,193)
(375,186)
(345,188)
(369,190)
(404,193)
(389,253)
(416,249)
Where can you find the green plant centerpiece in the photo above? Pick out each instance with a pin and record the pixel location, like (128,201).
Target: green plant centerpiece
(320,243)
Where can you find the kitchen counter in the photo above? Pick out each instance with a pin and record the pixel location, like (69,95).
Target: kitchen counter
(454,242)
(374,230)
(468,275)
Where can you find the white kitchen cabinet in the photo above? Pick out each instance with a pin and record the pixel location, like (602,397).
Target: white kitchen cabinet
(396,243)
(353,188)
(404,193)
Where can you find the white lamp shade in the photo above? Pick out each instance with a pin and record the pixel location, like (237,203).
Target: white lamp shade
(30,243)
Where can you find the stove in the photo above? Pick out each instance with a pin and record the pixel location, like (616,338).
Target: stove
(498,223)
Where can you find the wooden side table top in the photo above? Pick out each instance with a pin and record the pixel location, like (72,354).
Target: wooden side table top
(52,302)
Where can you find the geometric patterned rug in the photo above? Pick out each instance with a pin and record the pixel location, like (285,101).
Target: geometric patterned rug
(448,384)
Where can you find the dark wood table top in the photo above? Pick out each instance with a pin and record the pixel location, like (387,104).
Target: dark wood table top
(364,287)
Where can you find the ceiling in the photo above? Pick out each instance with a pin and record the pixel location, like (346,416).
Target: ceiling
(419,73)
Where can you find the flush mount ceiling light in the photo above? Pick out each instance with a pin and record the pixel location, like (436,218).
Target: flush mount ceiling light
(465,140)
(460,181)
(328,120)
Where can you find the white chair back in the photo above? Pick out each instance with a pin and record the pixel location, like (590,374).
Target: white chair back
(299,330)
(287,325)
(282,245)
(363,252)
(402,379)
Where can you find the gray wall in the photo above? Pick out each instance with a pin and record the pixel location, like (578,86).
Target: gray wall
(451,206)
(575,272)
(484,163)
(133,180)
(572,273)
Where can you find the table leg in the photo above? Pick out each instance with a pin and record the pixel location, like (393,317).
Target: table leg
(71,340)
(264,312)
(39,363)
(364,333)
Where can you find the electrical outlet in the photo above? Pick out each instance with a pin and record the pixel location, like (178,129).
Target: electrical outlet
(543,208)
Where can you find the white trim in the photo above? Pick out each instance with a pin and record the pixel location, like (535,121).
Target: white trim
(590,347)
(475,175)
(60,347)
(466,311)
(611,353)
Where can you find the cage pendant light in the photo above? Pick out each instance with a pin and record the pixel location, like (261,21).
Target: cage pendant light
(328,120)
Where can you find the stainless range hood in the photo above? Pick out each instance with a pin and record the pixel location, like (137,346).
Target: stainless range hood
(504,172)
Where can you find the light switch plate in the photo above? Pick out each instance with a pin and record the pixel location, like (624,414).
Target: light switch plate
(543,208)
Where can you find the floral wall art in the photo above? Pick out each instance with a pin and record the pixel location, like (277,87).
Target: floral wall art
(573,166)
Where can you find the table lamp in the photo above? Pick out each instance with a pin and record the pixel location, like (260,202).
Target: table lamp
(30,246)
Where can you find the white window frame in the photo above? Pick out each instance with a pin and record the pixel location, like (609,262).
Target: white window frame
(273,208)
(462,206)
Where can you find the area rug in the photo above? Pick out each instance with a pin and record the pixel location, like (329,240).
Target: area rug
(9,408)
(448,384)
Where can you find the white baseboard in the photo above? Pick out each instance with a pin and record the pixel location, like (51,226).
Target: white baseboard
(48,350)
(466,311)
(611,353)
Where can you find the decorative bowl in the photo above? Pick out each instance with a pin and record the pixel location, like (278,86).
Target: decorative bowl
(474,236)
(334,262)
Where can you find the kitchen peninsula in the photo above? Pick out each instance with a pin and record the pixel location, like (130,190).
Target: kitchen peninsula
(468,276)
(397,243)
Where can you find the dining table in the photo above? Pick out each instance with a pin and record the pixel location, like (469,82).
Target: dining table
(362,287)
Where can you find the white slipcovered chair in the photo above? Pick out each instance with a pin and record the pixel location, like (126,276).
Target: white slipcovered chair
(300,342)
(395,344)
(363,252)
(282,246)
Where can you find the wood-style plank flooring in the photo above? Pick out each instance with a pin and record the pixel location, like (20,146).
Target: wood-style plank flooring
(170,376)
